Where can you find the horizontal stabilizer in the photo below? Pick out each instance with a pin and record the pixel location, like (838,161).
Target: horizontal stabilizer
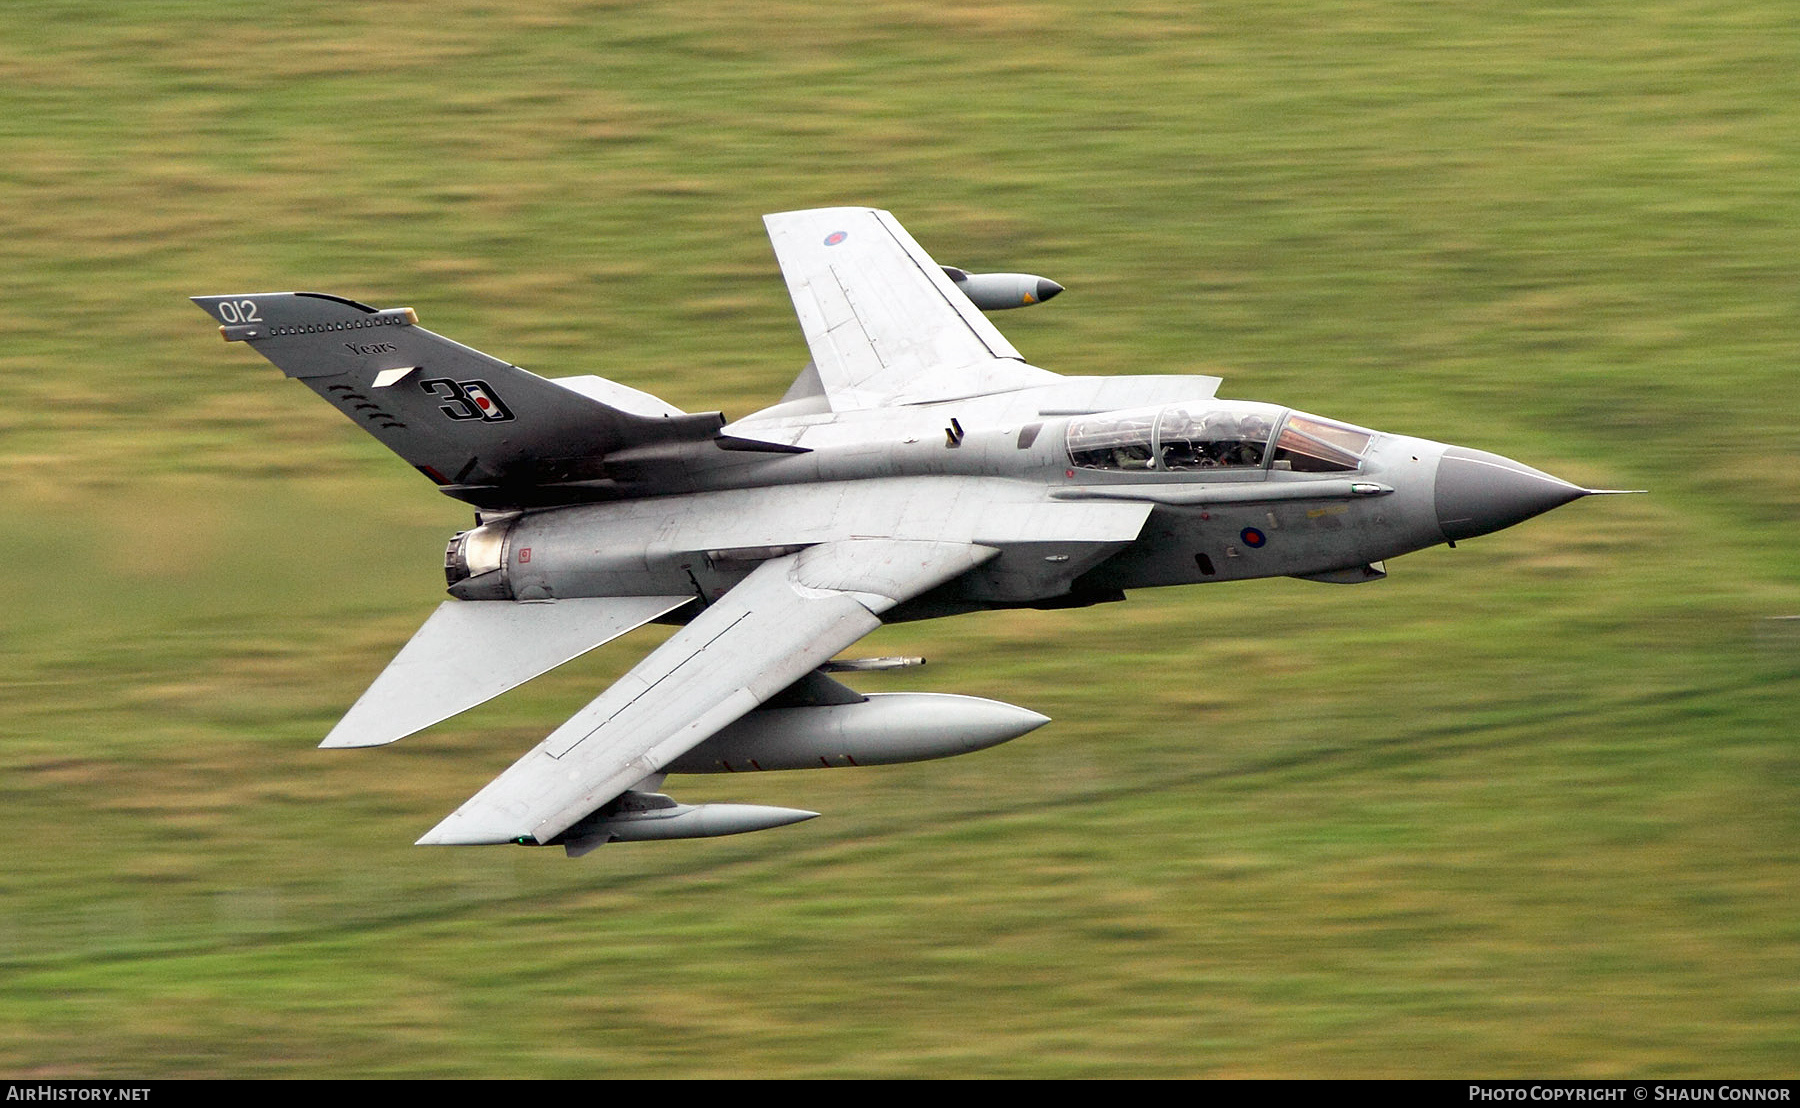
(469,652)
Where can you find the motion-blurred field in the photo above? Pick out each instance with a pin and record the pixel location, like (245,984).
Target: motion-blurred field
(1531,806)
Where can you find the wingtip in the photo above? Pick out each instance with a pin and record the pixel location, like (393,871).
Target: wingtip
(457,829)
(333,742)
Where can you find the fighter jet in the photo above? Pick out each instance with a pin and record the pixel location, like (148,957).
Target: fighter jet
(919,466)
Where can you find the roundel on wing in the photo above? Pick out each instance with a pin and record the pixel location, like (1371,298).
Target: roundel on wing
(836,237)
(1252,537)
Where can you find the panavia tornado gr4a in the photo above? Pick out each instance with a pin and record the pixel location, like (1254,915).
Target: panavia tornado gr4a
(918,467)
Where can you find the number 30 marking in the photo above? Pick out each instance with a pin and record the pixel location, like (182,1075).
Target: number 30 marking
(239,311)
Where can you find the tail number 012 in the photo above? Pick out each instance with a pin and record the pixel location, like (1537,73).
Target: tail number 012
(239,311)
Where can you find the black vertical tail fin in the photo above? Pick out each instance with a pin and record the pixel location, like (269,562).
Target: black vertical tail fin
(484,430)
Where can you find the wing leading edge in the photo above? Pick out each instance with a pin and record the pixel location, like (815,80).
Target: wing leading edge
(884,324)
(785,619)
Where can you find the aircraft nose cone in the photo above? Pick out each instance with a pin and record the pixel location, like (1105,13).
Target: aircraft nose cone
(1046,288)
(1478,493)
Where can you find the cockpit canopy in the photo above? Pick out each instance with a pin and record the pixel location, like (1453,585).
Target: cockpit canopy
(1240,436)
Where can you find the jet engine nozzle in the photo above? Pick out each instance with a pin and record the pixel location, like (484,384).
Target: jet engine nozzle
(475,563)
(1478,493)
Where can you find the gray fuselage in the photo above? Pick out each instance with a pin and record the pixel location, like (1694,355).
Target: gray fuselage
(1074,526)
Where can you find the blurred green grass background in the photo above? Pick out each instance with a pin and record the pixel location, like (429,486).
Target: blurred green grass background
(1529,807)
